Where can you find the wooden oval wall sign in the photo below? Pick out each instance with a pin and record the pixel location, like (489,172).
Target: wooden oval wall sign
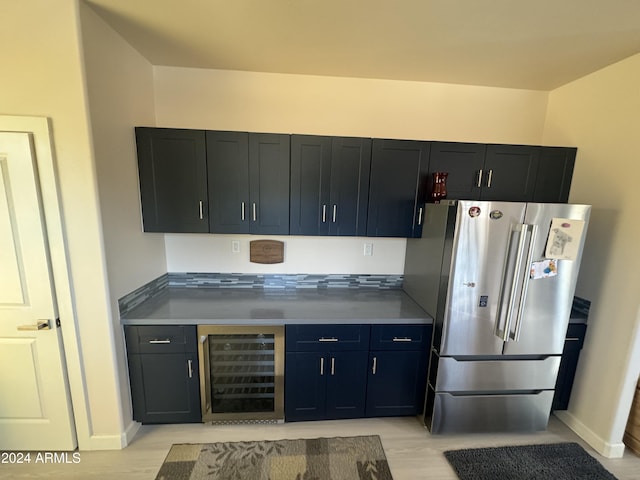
(266,251)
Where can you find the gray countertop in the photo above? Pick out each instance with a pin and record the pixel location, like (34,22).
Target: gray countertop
(213,306)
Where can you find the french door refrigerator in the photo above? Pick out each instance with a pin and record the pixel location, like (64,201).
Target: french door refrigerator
(498,278)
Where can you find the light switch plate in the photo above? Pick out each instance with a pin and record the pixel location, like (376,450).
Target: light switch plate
(368,249)
(235,246)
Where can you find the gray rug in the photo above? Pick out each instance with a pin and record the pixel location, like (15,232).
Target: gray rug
(554,461)
(340,458)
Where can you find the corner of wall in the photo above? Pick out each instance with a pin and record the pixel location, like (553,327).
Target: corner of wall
(599,444)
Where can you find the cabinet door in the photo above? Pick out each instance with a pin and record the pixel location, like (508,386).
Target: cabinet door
(304,386)
(463,162)
(397,190)
(510,173)
(269,183)
(310,174)
(346,384)
(228,174)
(173,179)
(568,365)
(165,388)
(554,174)
(396,383)
(349,192)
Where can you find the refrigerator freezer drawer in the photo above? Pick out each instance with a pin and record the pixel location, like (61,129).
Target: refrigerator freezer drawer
(490,413)
(496,375)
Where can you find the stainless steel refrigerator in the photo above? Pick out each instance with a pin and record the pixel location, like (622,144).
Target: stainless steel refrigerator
(498,278)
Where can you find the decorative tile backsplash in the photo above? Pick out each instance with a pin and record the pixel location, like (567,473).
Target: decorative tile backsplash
(139,295)
(259,281)
(242,280)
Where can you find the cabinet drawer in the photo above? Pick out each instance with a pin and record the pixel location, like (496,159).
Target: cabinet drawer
(160,338)
(400,337)
(313,338)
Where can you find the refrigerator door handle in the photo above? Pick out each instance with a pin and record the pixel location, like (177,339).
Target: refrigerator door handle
(515,336)
(511,300)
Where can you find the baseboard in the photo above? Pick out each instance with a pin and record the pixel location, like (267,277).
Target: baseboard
(112,442)
(130,432)
(600,445)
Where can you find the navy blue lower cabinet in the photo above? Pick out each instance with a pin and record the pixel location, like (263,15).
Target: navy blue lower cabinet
(163,373)
(396,383)
(325,371)
(304,386)
(165,388)
(346,384)
(568,365)
(324,385)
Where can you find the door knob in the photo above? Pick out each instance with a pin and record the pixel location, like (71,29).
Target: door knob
(41,325)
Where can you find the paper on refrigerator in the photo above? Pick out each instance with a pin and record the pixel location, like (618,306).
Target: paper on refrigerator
(564,239)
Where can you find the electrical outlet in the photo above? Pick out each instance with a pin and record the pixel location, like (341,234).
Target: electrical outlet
(235,246)
(368,249)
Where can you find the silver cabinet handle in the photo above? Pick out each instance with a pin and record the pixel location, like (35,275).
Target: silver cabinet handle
(375,365)
(479,184)
(40,325)
(254,211)
(490,177)
(420,216)
(156,341)
(335,212)
(321,365)
(324,213)
(201,210)
(331,339)
(190,365)
(242,211)
(333,366)
(401,339)
(572,339)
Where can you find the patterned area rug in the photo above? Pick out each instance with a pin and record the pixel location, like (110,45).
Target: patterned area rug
(340,458)
(554,461)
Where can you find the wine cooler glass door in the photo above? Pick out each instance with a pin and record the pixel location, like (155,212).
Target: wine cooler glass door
(242,372)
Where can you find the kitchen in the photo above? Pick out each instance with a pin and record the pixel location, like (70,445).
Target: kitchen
(124,90)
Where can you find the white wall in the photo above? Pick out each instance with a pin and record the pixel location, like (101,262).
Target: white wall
(600,113)
(278,103)
(319,255)
(42,75)
(264,102)
(120,96)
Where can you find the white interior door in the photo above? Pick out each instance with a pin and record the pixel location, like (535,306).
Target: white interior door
(35,406)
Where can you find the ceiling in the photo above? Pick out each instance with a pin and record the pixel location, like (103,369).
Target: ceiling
(540,44)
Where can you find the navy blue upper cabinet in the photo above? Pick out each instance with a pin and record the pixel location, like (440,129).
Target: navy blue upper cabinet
(329,185)
(228,172)
(248,177)
(517,173)
(397,191)
(463,163)
(278,184)
(172,167)
(555,171)
(509,173)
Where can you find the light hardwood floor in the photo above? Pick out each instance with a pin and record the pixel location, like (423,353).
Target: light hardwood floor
(411,451)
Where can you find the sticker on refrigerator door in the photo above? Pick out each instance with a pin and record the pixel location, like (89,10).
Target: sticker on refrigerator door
(474,212)
(543,269)
(564,238)
(495,215)
(484,301)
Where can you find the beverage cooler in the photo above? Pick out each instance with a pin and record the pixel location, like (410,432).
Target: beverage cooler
(241,373)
